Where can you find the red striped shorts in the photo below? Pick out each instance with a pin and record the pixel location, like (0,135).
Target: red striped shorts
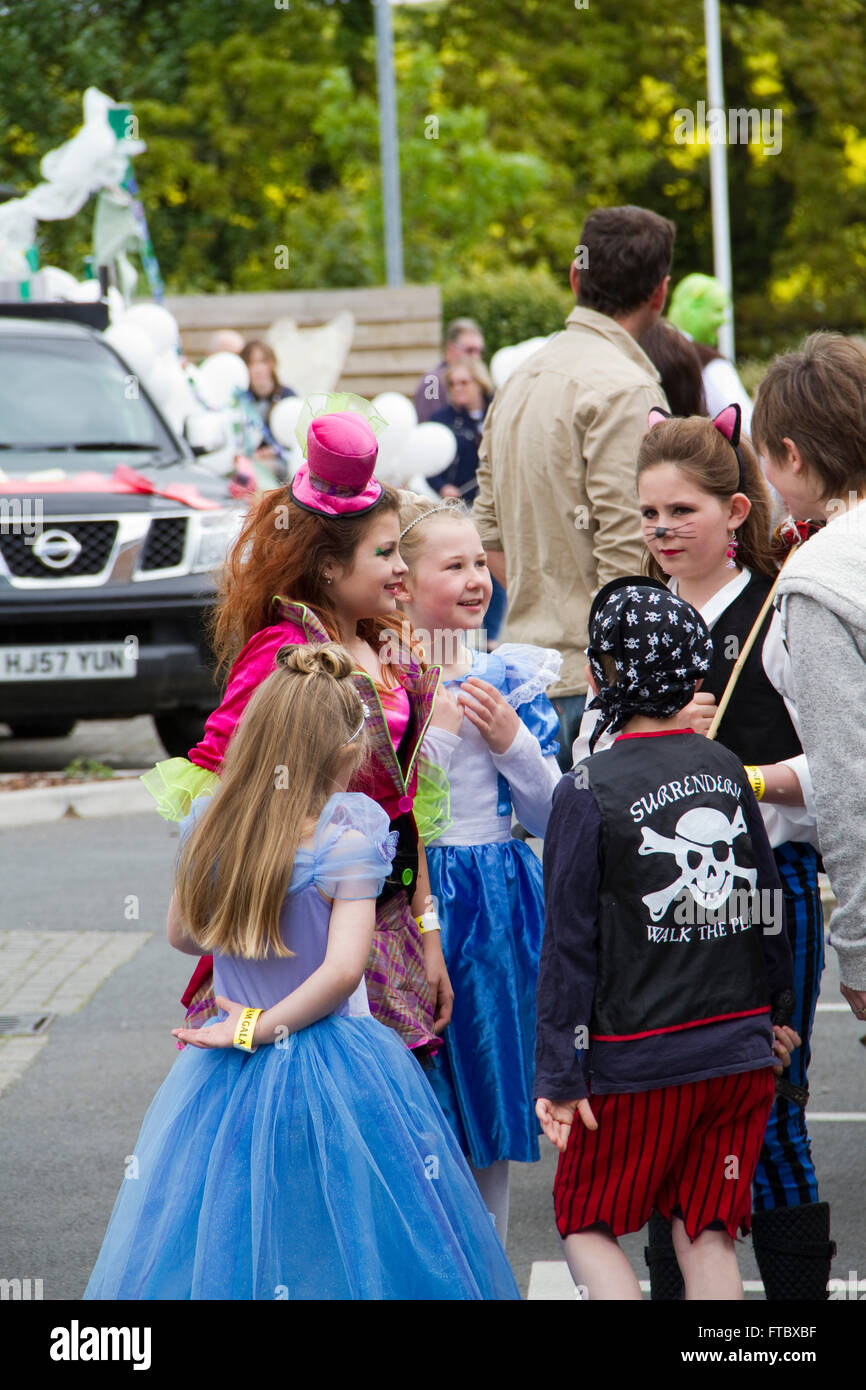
(689,1149)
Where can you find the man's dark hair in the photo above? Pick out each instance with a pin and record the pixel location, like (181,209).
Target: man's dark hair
(626,253)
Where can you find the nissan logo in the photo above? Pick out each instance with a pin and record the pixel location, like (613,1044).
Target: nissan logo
(57,549)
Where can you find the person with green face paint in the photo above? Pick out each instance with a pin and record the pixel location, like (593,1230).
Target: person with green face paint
(698,307)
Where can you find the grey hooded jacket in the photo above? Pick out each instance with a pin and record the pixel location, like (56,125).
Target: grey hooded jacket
(823,605)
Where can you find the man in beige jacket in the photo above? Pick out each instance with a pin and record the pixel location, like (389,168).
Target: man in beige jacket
(556,507)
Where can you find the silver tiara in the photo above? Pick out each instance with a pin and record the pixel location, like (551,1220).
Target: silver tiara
(366,708)
(443,507)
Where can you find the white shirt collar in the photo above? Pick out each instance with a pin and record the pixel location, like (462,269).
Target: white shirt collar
(715,606)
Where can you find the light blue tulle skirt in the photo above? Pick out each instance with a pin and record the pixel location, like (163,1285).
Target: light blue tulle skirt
(322,1169)
(491,900)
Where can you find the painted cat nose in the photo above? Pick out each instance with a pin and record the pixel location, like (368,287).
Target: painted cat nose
(661,532)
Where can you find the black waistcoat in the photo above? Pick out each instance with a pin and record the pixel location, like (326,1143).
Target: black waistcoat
(673,831)
(404,866)
(756,724)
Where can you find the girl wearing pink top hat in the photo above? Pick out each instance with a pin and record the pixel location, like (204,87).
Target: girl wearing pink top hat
(316,561)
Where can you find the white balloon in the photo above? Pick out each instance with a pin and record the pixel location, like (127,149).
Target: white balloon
(502,364)
(116,304)
(294,459)
(133,345)
(402,418)
(222,461)
(506,361)
(418,484)
(86,292)
(167,384)
(283,419)
(190,371)
(158,322)
(59,284)
(432,447)
(392,445)
(526,349)
(391,470)
(204,431)
(219,377)
(396,409)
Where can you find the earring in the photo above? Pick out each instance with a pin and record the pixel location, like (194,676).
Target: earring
(731,552)
(328,579)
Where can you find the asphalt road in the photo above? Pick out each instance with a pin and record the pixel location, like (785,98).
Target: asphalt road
(68,1124)
(119,743)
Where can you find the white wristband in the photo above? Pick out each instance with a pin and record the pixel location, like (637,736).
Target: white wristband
(428,921)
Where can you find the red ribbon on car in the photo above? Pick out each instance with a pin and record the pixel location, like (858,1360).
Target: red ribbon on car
(123,479)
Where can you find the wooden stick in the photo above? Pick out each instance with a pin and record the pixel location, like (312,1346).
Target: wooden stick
(741,659)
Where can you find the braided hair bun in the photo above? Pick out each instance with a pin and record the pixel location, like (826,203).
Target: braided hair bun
(329,659)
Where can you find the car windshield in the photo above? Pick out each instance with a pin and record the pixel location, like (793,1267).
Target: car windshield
(68,394)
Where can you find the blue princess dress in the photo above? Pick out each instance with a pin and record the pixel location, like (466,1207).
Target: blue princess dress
(491,904)
(318,1167)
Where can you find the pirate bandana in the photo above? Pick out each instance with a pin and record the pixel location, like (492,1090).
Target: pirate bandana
(659,644)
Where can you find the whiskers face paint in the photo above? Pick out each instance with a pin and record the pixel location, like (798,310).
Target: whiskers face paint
(685,531)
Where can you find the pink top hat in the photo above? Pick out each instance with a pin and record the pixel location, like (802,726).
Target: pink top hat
(337,478)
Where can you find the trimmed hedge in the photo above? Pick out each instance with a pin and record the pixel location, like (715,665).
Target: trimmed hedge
(510,307)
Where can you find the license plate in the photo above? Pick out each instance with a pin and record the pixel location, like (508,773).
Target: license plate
(78,661)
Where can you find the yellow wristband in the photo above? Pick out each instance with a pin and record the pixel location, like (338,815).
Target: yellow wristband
(756,781)
(428,921)
(246,1029)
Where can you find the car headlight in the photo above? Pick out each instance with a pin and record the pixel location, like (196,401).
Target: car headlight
(216,533)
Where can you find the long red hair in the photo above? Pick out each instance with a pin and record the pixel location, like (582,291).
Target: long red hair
(281,552)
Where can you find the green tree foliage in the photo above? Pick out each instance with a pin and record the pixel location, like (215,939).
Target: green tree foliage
(516,118)
(262,157)
(596,89)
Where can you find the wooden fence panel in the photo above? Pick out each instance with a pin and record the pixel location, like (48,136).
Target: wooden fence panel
(398,332)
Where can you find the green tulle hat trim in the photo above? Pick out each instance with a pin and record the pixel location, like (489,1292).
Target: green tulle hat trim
(331,403)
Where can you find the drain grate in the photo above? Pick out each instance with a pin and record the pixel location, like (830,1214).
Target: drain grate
(24,1025)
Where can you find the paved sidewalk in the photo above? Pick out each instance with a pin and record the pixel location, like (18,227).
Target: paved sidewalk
(129,746)
(57,971)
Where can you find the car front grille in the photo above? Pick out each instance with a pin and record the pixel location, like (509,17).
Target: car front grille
(165,543)
(96,539)
(124,547)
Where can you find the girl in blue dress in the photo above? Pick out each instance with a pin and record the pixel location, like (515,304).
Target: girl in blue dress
(295,1150)
(494,736)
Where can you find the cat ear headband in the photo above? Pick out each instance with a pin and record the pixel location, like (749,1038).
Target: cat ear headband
(727,422)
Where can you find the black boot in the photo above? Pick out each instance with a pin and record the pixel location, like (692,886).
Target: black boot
(793,1250)
(666,1280)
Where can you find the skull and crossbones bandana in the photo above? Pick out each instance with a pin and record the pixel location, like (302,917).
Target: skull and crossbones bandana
(660,646)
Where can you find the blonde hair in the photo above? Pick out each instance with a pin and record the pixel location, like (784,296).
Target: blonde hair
(476,369)
(234,870)
(418,514)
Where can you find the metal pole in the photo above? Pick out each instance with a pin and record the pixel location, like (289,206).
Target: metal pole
(719,172)
(388,147)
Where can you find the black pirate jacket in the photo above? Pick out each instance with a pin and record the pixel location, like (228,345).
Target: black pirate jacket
(654,970)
